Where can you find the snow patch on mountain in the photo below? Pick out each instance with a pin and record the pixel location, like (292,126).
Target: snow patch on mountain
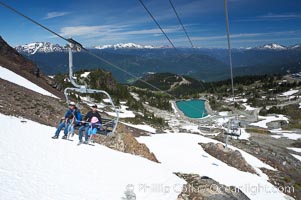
(11,76)
(125,46)
(296,156)
(272,46)
(264,120)
(289,93)
(143,127)
(279,133)
(295,46)
(85,74)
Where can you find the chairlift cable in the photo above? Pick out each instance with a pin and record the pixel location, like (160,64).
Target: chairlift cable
(95,55)
(33,21)
(180,21)
(229,48)
(233,126)
(154,19)
(86,50)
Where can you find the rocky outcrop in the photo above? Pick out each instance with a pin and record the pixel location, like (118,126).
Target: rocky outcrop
(126,142)
(10,57)
(277,124)
(285,183)
(229,156)
(19,101)
(205,188)
(274,152)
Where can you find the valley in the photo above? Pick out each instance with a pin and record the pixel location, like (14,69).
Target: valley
(200,63)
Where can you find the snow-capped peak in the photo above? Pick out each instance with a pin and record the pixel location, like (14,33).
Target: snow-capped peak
(273,46)
(295,46)
(125,46)
(43,47)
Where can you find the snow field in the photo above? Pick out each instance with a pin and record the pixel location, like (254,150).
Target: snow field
(185,155)
(11,76)
(34,166)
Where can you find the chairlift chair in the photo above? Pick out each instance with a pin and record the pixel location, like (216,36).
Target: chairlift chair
(233,128)
(109,124)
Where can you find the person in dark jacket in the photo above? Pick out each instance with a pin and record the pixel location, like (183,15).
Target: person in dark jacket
(84,128)
(37,72)
(72,118)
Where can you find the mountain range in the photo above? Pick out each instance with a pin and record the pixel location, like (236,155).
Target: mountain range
(41,47)
(206,64)
(47,47)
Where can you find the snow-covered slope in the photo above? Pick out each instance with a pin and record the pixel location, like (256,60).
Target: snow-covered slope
(11,76)
(125,46)
(184,154)
(264,120)
(296,46)
(143,127)
(42,47)
(289,93)
(33,166)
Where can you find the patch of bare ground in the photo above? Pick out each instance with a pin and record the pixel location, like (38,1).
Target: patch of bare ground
(273,152)
(205,188)
(231,157)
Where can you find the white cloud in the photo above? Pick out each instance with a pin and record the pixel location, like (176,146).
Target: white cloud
(51,15)
(279,16)
(271,17)
(111,31)
(80,30)
(244,35)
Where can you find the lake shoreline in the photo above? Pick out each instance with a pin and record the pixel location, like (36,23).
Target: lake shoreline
(178,111)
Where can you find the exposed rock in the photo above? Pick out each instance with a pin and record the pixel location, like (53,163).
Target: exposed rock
(297,144)
(204,188)
(285,183)
(126,142)
(274,152)
(276,124)
(19,101)
(229,156)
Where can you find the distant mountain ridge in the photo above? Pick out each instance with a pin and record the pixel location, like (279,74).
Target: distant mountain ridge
(274,46)
(206,64)
(41,47)
(47,47)
(126,46)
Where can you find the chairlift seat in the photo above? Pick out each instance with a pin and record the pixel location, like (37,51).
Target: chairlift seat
(232,132)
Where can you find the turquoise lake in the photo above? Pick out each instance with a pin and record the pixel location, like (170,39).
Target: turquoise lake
(194,108)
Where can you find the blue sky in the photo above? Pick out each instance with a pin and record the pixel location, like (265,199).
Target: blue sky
(99,22)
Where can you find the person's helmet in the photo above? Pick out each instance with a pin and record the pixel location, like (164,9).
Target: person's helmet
(72,103)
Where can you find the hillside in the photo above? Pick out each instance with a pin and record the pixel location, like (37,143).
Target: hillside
(172,83)
(22,97)
(12,60)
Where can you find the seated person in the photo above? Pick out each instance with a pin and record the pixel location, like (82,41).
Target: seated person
(72,111)
(84,128)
